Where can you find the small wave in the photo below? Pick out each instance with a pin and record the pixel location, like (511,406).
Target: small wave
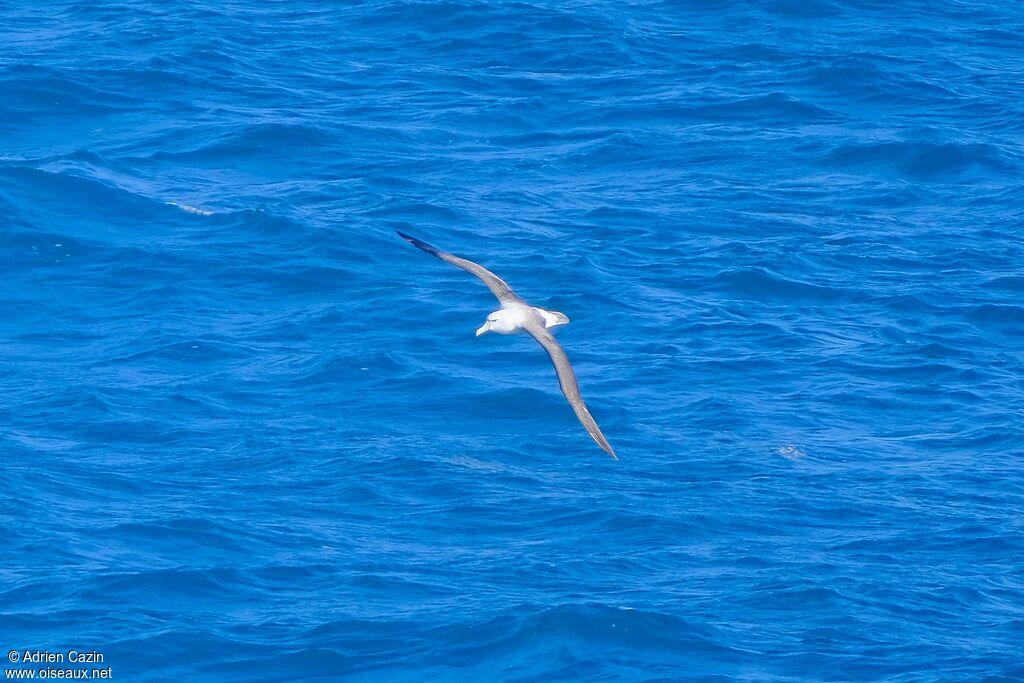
(192,209)
(790,452)
(117,214)
(869,77)
(760,283)
(33,91)
(924,160)
(284,141)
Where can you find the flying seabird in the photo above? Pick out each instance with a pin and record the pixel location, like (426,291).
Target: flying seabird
(515,315)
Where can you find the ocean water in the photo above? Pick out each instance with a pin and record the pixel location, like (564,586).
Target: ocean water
(247,432)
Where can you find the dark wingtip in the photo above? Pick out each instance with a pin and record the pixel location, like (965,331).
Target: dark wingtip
(418,243)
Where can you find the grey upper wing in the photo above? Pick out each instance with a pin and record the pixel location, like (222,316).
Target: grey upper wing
(567,379)
(498,286)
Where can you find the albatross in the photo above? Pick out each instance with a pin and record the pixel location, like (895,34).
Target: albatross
(515,315)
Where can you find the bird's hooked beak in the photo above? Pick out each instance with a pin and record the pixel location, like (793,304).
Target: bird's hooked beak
(486,327)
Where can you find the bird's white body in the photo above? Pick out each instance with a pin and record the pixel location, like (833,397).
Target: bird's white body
(512,317)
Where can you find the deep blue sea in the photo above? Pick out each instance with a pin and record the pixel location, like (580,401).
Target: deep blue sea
(247,433)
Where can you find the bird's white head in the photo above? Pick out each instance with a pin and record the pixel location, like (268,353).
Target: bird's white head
(503,321)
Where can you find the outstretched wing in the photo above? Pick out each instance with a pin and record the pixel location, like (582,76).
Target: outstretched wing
(567,378)
(498,286)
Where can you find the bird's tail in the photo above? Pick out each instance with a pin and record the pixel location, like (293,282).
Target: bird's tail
(553,318)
